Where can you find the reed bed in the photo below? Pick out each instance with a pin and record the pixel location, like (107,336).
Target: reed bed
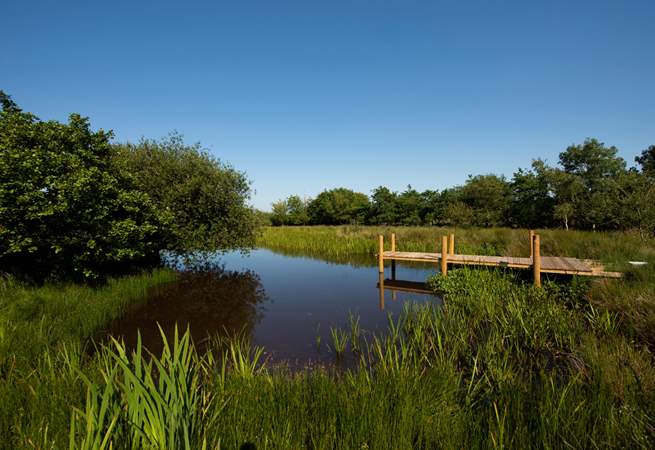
(45,334)
(347,242)
(501,365)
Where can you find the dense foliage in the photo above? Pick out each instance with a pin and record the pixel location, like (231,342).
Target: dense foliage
(205,199)
(74,206)
(63,209)
(591,188)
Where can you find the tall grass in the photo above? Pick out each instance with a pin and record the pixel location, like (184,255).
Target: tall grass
(346,242)
(44,343)
(501,365)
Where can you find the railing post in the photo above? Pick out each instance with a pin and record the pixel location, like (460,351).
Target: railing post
(393,242)
(381,254)
(531,239)
(536,260)
(452,244)
(444,256)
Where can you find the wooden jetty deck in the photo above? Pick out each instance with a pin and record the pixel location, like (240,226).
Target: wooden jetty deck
(535,262)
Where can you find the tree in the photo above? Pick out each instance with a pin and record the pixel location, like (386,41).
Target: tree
(647,161)
(205,199)
(459,213)
(383,209)
(635,206)
(279,213)
(338,206)
(532,203)
(410,206)
(590,183)
(488,197)
(64,210)
(8,105)
(297,211)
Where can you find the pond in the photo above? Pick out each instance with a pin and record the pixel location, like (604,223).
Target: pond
(287,304)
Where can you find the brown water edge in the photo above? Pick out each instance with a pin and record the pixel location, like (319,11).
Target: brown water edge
(217,303)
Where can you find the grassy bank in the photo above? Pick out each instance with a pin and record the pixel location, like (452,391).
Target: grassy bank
(42,330)
(501,365)
(346,241)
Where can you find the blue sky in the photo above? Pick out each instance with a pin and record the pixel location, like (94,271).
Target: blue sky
(305,95)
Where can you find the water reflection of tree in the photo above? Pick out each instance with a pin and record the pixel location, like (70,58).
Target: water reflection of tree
(211,303)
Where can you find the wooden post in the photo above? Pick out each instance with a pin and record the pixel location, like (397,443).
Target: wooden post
(444,255)
(381,254)
(536,260)
(530,242)
(393,242)
(381,286)
(452,244)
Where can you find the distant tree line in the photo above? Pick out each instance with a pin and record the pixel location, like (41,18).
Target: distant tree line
(590,188)
(75,205)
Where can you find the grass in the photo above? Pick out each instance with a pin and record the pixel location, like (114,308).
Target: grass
(501,364)
(348,243)
(44,337)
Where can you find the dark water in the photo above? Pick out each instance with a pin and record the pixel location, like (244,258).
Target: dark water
(281,302)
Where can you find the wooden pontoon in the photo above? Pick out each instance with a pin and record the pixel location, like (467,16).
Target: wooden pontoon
(537,263)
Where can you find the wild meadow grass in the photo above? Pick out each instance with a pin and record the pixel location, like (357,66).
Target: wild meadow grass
(44,340)
(347,242)
(500,364)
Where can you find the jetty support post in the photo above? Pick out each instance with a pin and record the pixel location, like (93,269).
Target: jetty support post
(444,255)
(530,241)
(393,261)
(381,253)
(536,260)
(381,286)
(451,250)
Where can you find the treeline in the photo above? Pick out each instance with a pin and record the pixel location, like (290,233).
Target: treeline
(75,205)
(590,188)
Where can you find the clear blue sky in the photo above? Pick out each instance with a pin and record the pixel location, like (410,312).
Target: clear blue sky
(306,95)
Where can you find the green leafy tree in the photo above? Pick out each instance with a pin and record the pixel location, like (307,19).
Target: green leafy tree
(64,211)
(459,213)
(297,211)
(338,206)
(279,213)
(430,203)
(488,197)
(647,161)
(532,203)
(590,183)
(410,205)
(205,200)
(635,205)
(384,207)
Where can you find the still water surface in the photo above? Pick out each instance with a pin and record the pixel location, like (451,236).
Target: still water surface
(282,302)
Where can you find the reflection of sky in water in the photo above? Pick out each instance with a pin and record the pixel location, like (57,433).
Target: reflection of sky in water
(307,294)
(302,297)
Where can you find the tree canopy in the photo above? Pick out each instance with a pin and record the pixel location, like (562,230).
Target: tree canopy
(204,200)
(590,188)
(63,210)
(72,205)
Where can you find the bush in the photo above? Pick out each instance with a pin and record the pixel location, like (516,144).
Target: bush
(204,199)
(64,211)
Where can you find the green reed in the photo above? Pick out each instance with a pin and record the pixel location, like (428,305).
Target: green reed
(500,365)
